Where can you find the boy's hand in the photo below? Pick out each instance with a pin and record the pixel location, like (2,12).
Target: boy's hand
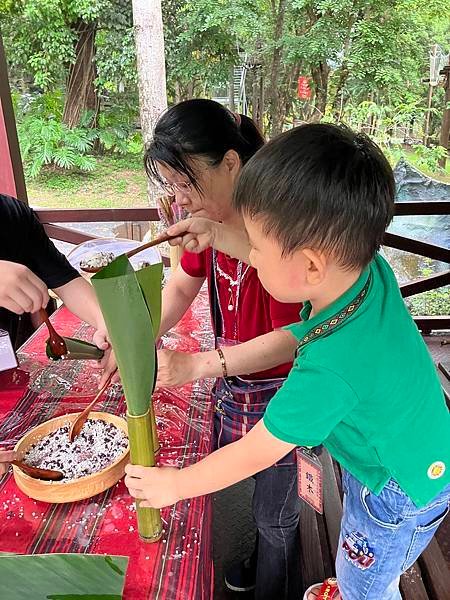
(5,457)
(175,368)
(194,234)
(20,289)
(156,486)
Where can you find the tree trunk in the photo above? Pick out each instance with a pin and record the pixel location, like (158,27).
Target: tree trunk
(276,124)
(80,92)
(231,105)
(445,127)
(151,67)
(338,102)
(320,75)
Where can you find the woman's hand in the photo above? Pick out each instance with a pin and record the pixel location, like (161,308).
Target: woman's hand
(20,289)
(176,368)
(194,234)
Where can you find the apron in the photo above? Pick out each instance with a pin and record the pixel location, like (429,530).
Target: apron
(239,403)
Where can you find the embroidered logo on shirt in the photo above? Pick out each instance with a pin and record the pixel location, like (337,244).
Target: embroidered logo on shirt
(357,550)
(329,325)
(436,470)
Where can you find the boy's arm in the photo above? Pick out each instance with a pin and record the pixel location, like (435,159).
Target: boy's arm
(196,234)
(259,354)
(163,486)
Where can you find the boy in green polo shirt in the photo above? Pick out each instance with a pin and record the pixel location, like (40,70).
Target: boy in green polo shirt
(316,202)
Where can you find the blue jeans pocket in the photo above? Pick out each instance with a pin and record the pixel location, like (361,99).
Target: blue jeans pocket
(386,509)
(423,534)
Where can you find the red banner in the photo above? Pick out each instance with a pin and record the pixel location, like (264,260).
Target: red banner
(303,90)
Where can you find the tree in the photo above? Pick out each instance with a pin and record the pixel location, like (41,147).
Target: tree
(148,27)
(56,42)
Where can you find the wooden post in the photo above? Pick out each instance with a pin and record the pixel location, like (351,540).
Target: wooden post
(11,171)
(445,127)
(427,115)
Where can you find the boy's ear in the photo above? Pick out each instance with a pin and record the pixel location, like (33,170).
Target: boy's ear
(315,267)
(232,162)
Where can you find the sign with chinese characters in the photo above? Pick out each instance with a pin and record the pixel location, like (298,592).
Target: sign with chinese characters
(309,472)
(303,89)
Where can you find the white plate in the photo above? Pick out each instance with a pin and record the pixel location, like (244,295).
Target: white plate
(117,246)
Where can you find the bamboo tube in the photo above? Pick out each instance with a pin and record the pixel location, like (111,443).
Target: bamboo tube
(142,453)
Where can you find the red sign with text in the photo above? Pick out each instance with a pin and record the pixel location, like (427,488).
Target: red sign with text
(303,90)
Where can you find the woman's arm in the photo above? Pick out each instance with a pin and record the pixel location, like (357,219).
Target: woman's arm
(259,354)
(177,296)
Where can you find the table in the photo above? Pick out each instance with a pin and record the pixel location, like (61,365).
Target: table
(179,566)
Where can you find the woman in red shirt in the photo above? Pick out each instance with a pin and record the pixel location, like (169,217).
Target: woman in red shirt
(196,154)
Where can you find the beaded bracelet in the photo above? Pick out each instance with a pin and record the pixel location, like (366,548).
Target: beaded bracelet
(222,362)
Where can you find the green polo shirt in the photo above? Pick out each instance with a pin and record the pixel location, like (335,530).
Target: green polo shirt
(364,386)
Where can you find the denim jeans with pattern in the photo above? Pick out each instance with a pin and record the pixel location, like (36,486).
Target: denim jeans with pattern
(381,537)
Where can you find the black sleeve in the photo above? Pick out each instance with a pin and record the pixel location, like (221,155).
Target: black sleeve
(23,240)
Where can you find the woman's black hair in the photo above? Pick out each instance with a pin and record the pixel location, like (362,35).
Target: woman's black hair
(199,129)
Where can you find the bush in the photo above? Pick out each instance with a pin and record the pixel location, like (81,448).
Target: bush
(429,158)
(45,140)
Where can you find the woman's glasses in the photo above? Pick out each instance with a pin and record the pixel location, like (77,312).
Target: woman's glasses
(184,187)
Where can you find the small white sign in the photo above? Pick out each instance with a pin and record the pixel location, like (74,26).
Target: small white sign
(8,358)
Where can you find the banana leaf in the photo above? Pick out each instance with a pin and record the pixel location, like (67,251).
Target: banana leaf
(62,576)
(131,305)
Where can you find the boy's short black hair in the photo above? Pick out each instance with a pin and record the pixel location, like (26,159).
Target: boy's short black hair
(320,186)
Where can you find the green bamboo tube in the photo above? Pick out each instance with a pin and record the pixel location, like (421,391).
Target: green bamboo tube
(142,453)
(155,438)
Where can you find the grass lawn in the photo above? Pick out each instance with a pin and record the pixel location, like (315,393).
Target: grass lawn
(115,183)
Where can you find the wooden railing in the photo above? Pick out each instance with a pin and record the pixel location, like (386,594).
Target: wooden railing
(423,284)
(50,218)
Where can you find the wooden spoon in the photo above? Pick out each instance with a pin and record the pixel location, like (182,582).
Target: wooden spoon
(159,240)
(77,425)
(36,473)
(56,342)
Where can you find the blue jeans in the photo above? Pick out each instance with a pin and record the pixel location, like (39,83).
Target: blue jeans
(381,537)
(276,508)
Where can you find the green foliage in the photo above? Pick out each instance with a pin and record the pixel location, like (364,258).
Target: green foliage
(432,303)
(429,158)
(45,141)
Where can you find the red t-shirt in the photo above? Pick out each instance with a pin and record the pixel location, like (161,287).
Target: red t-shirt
(256,313)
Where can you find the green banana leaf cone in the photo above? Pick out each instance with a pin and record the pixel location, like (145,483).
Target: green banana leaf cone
(131,305)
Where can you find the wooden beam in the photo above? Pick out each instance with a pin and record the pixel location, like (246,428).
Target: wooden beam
(440,207)
(416,247)
(424,284)
(96,215)
(427,324)
(11,132)
(64,234)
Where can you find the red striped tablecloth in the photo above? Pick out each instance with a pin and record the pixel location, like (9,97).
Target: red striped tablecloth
(179,567)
